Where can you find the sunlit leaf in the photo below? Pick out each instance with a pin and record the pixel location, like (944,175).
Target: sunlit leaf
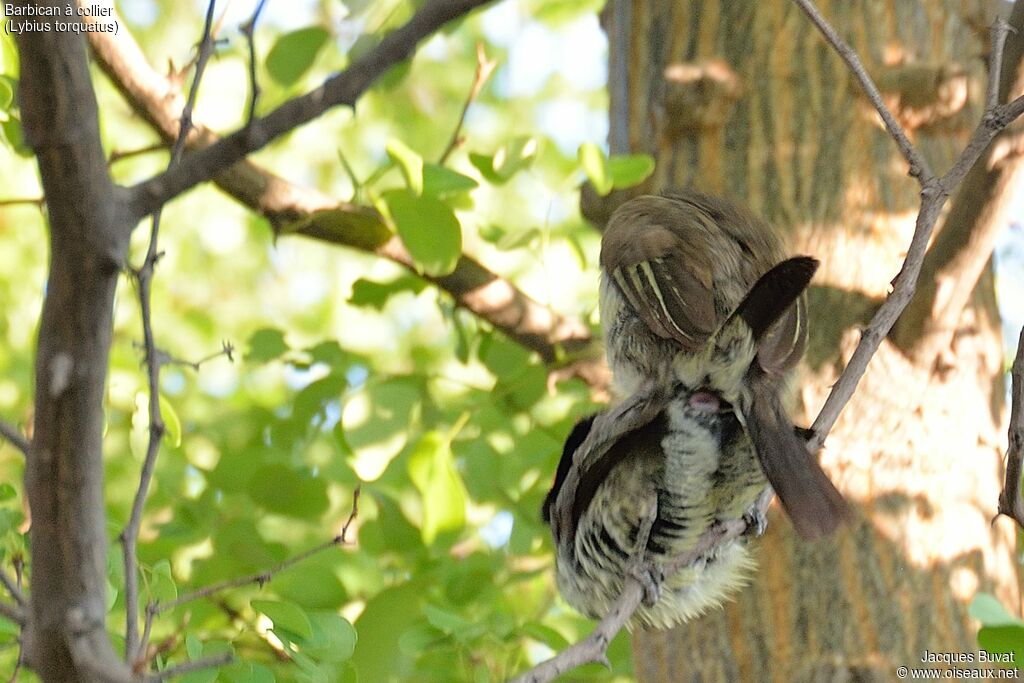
(409,161)
(266,344)
(429,230)
(440,181)
(294,53)
(595,165)
(627,170)
(376,294)
(432,470)
(512,157)
(172,423)
(987,609)
(286,615)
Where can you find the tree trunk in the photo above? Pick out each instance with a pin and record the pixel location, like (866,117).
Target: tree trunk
(746,99)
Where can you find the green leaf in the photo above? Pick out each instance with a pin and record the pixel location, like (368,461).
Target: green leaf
(409,161)
(440,181)
(6,94)
(627,170)
(432,470)
(7,492)
(376,294)
(546,635)
(161,583)
(287,491)
(265,345)
(429,230)
(1003,639)
(987,609)
(595,165)
(294,52)
(376,421)
(193,646)
(172,423)
(512,157)
(285,615)
(333,638)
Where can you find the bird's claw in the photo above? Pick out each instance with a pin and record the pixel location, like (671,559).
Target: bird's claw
(650,579)
(756,521)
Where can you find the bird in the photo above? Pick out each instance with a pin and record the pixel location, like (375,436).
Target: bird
(673,268)
(673,458)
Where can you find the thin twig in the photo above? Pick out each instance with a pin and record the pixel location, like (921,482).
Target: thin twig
(1011,503)
(1001,28)
(918,166)
(484,69)
(261,578)
(249,31)
(12,613)
(164,358)
(118,155)
(39,202)
(144,275)
(934,194)
(11,433)
(265,576)
(189,667)
(12,588)
(341,88)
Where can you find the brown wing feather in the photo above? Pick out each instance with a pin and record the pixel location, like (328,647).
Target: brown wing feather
(667,288)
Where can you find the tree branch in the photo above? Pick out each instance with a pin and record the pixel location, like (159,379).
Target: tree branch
(1011,502)
(144,276)
(343,88)
(153,610)
(918,166)
(934,193)
(13,588)
(11,433)
(12,613)
(301,211)
(189,667)
(89,227)
(484,69)
(981,209)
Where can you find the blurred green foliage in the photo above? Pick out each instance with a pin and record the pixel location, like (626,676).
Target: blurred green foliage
(351,369)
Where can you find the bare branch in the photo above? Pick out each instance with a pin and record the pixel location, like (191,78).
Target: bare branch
(144,275)
(13,588)
(249,31)
(918,166)
(1000,29)
(189,667)
(12,434)
(342,88)
(12,613)
(118,155)
(1011,503)
(484,69)
(934,193)
(296,210)
(38,202)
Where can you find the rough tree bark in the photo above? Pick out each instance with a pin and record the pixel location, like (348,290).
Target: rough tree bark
(746,99)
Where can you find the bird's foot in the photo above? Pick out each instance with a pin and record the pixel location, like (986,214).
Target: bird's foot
(756,521)
(650,578)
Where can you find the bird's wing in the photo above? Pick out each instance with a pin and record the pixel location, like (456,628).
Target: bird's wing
(609,437)
(663,273)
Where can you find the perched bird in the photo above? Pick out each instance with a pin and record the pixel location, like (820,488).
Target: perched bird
(673,268)
(673,457)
